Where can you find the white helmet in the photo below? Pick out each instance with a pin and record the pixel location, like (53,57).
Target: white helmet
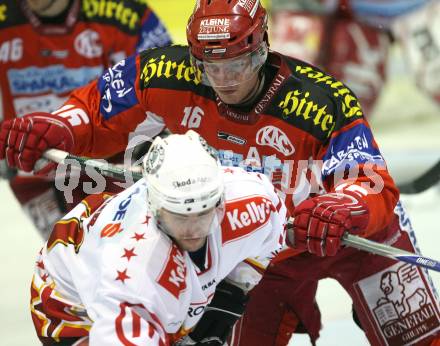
(182,174)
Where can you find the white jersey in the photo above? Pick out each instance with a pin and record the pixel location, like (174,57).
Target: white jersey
(112,275)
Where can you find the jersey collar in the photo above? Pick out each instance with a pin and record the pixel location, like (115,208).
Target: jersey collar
(260,105)
(52,29)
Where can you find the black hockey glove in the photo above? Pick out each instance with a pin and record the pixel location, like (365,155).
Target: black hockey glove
(226,307)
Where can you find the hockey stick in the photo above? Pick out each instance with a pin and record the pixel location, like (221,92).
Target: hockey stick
(105,169)
(390,251)
(422,183)
(354,241)
(376,248)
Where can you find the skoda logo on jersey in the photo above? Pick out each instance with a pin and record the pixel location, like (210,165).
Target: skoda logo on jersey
(88,44)
(273,137)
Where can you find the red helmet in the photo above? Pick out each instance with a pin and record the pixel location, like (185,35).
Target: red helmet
(222,29)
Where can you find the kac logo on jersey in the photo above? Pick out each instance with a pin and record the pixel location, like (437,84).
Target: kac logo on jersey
(275,138)
(88,44)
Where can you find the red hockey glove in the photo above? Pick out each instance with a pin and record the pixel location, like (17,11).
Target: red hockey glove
(24,140)
(320,222)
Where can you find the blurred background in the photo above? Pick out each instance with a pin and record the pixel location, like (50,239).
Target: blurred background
(406,124)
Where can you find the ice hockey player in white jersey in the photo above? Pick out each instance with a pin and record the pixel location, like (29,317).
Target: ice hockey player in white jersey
(140,267)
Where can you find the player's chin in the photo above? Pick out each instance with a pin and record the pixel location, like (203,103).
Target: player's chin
(229,96)
(191,245)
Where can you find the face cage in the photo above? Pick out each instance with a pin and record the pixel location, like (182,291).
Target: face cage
(227,73)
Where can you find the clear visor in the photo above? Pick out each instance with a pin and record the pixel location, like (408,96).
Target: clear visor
(227,73)
(186,226)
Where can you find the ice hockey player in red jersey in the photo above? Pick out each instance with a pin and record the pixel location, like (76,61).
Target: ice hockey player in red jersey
(351,40)
(272,114)
(47,49)
(140,267)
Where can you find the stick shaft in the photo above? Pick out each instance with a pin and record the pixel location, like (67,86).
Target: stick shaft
(360,243)
(104,168)
(390,251)
(420,184)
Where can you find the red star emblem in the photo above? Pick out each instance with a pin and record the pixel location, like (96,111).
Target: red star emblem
(40,265)
(147,219)
(44,277)
(228,170)
(138,236)
(122,276)
(129,253)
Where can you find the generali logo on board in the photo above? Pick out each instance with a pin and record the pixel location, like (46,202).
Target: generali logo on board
(403,307)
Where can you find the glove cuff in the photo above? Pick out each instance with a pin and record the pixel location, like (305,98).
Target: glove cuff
(54,119)
(360,212)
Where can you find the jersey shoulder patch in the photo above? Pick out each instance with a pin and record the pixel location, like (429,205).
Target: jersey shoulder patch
(314,102)
(11,15)
(126,15)
(170,68)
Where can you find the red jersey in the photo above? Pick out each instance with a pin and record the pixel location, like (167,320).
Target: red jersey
(305,127)
(41,63)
